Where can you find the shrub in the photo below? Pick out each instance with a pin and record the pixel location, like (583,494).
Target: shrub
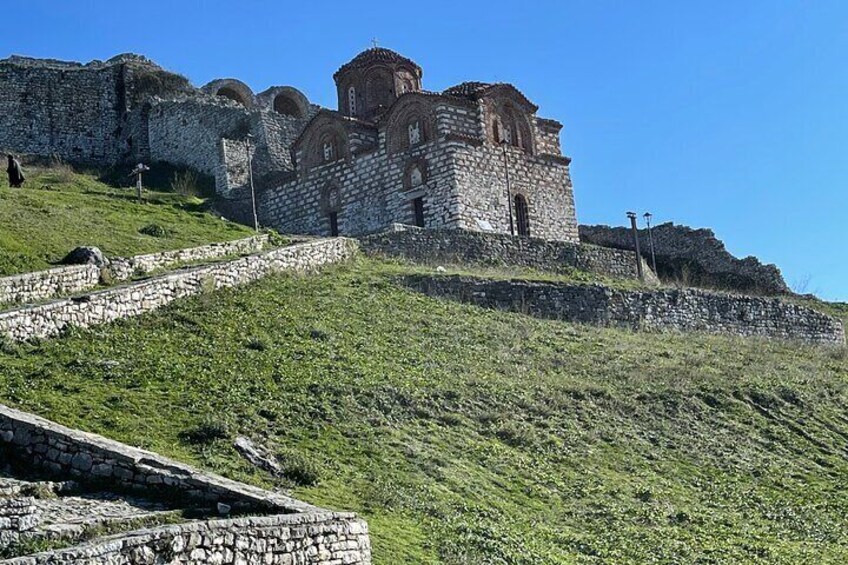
(256,344)
(298,468)
(61,170)
(153,230)
(206,432)
(185,183)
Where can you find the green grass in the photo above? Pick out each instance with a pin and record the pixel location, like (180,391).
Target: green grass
(39,226)
(470,436)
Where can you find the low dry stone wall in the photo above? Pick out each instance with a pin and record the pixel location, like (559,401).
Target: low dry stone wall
(290,531)
(684,310)
(322,538)
(48,320)
(452,246)
(43,285)
(125,268)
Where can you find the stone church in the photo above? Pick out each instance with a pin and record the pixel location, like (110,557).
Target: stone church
(475,156)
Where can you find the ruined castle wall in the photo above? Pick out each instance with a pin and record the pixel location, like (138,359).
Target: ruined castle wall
(52,108)
(545,184)
(188,131)
(48,320)
(461,247)
(693,256)
(655,310)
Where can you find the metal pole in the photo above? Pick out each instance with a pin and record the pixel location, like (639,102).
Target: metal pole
(635,230)
(648,217)
(508,191)
(138,186)
(250,175)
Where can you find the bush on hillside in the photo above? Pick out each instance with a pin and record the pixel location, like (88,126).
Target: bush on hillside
(153,230)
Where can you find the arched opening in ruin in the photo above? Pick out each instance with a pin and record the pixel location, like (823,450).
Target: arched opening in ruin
(286,106)
(522,215)
(232,94)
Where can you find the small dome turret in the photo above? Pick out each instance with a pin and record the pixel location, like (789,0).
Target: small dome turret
(369,83)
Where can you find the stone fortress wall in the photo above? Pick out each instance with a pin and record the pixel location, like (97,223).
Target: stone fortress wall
(279,529)
(128,109)
(693,256)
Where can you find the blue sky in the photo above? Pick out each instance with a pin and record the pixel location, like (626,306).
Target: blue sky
(724,114)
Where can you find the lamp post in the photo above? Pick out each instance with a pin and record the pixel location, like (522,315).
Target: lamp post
(648,216)
(247,142)
(508,191)
(634,229)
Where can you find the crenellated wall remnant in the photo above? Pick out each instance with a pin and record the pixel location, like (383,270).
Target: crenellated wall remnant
(693,257)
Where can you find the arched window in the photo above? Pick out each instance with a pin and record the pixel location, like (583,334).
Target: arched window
(351,100)
(496,131)
(416,177)
(378,92)
(413,130)
(522,215)
(329,149)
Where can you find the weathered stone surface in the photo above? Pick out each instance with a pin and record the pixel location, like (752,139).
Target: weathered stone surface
(85,256)
(685,310)
(279,529)
(47,320)
(460,247)
(50,283)
(693,256)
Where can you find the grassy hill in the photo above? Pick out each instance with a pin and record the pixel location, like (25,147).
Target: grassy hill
(469,436)
(58,210)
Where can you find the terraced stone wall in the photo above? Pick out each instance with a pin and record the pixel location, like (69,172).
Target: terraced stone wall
(681,310)
(61,281)
(48,320)
(490,249)
(282,529)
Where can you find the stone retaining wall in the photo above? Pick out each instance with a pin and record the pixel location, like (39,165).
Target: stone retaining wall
(47,320)
(42,285)
(491,249)
(296,533)
(321,538)
(661,310)
(125,268)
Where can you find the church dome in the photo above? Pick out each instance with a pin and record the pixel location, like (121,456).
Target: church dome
(376,56)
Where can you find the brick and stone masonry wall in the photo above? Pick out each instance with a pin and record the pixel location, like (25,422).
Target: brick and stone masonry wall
(284,530)
(660,310)
(50,283)
(433,246)
(48,320)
